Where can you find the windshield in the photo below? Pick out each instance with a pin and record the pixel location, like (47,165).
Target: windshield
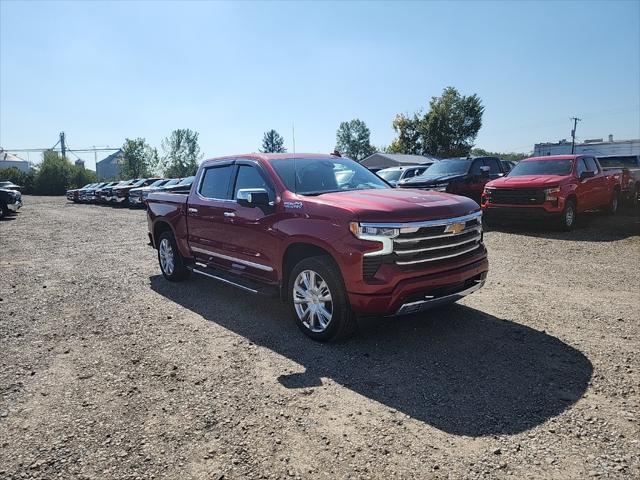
(390,175)
(6,184)
(158,183)
(139,183)
(449,167)
(173,181)
(621,161)
(541,167)
(186,181)
(315,176)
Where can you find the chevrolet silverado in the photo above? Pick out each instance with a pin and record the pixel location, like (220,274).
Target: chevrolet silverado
(324,234)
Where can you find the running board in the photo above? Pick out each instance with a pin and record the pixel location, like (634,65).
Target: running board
(235,280)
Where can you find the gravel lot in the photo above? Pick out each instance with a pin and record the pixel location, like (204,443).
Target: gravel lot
(109,371)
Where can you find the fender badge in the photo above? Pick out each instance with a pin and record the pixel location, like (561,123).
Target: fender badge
(454,228)
(292,204)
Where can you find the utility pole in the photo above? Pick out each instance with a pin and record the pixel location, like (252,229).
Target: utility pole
(573,133)
(63,146)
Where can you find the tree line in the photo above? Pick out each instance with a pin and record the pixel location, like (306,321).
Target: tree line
(56,174)
(448,129)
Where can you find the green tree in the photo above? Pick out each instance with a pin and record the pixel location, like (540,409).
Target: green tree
(272,142)
(408,140)
(139,159)
(353,140)
(448,129)
(80,176)
(181,153)
(54,174)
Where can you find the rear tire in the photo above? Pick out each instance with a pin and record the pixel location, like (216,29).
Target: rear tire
(4,211)
(318,300)
(568,216)
(171,262)
(633,197)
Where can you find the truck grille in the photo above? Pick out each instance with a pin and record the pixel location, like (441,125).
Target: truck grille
(516,196)
(437,240)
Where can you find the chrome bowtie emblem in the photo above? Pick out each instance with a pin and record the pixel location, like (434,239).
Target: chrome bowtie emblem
(454,228)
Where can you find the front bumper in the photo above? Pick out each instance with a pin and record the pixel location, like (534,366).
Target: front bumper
(421,293)
(520,214)
(14,206)
(119,199)
(135,200)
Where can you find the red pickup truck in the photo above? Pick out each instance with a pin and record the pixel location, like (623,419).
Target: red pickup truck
(324,234)
(555,188)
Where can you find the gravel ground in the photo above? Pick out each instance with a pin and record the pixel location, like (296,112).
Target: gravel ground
(108,371)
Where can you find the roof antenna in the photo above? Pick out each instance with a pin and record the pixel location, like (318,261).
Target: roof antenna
(295,172)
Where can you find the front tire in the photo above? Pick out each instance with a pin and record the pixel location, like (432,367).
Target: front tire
(568,216)
(612,207)
(318,300)
(171,262)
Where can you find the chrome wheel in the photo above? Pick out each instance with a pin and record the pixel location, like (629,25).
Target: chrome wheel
(569,216)
(312,301)
(165,251)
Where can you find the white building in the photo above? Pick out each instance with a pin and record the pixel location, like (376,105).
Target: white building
(8,160)
(597,147)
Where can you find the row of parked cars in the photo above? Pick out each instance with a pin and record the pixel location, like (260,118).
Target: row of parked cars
(132,192)
(551,188)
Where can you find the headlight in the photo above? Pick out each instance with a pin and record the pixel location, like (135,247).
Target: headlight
(551,194)
(375,233)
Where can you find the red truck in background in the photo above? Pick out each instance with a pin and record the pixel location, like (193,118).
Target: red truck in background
(555,188)
(630,182)
(322,232)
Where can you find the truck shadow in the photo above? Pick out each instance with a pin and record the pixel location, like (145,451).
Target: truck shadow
(590,227)
(458,369)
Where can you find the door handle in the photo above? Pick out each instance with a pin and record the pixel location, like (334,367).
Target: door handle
(192,210)
(229,214)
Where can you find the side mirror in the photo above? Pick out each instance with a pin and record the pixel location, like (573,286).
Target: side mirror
(484,170)
(585,175)
(253,197)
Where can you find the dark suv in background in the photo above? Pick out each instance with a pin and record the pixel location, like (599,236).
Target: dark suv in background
(464,176)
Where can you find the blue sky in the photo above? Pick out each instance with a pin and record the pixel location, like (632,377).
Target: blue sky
(105,71)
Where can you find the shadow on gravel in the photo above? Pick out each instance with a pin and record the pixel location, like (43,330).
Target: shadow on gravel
(457,369)
(590,227)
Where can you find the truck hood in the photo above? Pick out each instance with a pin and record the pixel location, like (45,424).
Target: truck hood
(396,205)
(430,180)
(529,181)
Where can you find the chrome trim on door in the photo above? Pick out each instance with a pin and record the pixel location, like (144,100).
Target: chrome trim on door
(224,280)
(259,266)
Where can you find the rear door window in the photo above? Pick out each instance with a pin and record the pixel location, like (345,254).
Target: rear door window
(215,182)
